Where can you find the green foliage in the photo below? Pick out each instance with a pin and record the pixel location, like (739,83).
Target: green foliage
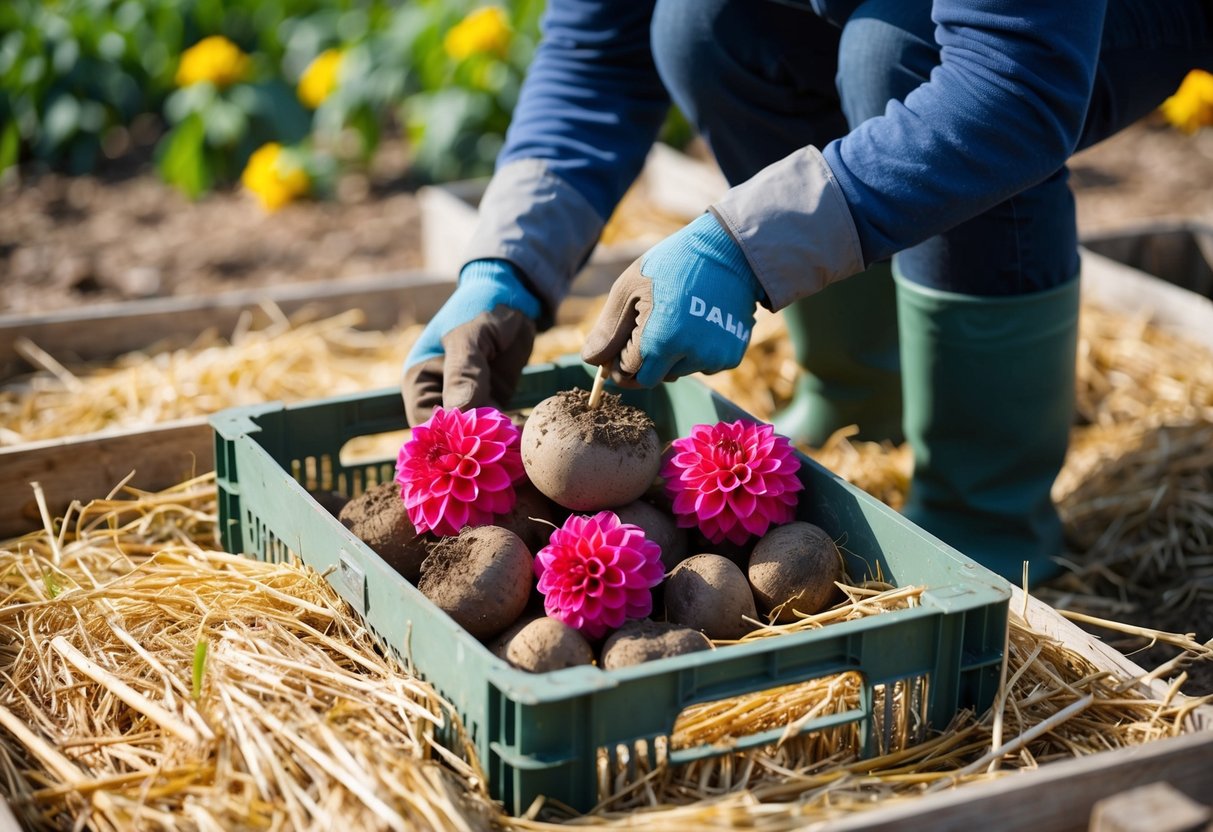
(215,131)
(459,116)
(76,74)
(51,582)
(70,72)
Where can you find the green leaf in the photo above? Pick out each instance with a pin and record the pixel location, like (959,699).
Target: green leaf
(67,52)
(445,127)
(200,650)
(51,582)
(277,114)
(225,123)
(182,161)
(189,101)
(61,121)
(10,146)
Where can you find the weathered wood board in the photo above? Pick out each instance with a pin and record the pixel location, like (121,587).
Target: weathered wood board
(89,467)
(106,331)
(86,467)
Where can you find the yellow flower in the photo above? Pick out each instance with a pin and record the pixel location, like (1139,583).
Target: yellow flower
(485,31)
(1191,107)
(320,78)
(215,59)
(274,177)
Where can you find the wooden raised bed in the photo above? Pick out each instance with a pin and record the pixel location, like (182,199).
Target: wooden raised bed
(166,454)
(1058,797)
(83,467)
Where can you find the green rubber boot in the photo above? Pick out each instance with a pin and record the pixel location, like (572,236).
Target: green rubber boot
(845,341)
(989,400)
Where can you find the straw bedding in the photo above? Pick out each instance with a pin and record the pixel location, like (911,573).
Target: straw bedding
(150,681)
(153,682)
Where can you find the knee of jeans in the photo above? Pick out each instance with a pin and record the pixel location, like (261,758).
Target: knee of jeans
(880,59)
(1026,244)
(688,53)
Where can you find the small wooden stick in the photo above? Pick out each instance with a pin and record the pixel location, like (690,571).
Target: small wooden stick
(596,390)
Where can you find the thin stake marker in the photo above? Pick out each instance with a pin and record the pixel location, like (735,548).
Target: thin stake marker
(596,390)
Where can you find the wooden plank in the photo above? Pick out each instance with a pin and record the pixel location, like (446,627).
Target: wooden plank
(1158,807)
(1179,251)
(1120,288)
(106,331)
(1054,798)
(1044,619)
(1058,797)
(89,467)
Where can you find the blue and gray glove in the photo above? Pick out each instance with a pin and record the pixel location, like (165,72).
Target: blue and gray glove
(473,351)
(686,306)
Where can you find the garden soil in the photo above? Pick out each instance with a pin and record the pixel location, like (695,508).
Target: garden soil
(70,242)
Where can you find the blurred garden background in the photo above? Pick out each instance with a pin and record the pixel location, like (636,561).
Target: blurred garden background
(158,147)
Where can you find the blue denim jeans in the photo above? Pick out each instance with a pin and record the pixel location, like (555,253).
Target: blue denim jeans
(761,78)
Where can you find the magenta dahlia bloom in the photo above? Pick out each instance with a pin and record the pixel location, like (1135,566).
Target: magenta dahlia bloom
(596,573)
(732,480)
(459,469)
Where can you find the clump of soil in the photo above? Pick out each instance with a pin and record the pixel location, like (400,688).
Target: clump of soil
(793,569)
(710,593)
(586,459)
(658,527)
(377,517)
(481,578)
(643,641)
(543,644)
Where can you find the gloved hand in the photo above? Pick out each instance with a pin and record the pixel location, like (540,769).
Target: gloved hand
(472,352)
(686,306)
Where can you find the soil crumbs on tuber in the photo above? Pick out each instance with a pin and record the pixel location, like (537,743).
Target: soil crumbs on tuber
(482,579)
(613,423)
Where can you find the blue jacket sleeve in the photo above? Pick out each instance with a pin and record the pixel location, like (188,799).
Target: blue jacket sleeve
(592,102)
(1002,111)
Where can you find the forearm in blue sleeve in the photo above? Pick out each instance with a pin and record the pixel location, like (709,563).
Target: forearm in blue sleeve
(1002,111)
(592,102)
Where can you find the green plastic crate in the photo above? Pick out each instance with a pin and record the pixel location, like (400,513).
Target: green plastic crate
(539,734)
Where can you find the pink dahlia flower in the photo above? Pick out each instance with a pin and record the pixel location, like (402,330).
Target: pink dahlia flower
(459,469)
(596,573)
(732,480)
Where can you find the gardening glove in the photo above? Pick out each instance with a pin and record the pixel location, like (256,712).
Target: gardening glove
(474,349)
(686,306)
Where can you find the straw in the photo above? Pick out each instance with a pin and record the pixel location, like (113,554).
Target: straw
(300,722)
(339,732)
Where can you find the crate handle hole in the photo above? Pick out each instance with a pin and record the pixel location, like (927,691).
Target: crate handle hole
(826,713)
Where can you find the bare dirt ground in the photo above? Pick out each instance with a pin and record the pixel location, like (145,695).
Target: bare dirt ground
(65,242)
